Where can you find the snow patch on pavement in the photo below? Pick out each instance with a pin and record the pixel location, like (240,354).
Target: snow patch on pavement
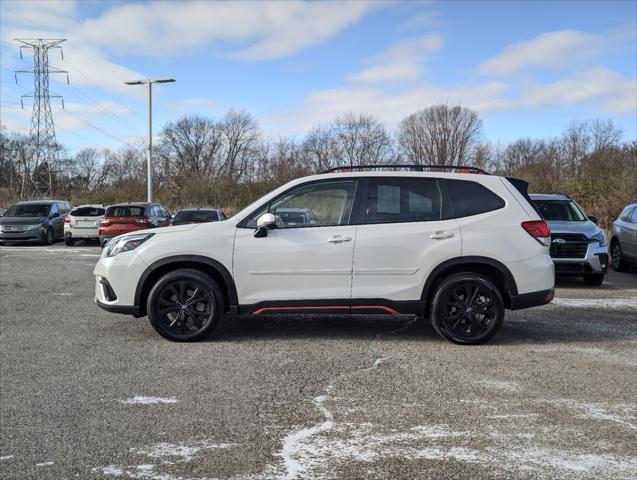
(604,303)
(7,457)
(180,452)
(620,414)
(44,464)
(502,385)
(143,400)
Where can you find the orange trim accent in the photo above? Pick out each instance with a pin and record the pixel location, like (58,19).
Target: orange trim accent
(329,307)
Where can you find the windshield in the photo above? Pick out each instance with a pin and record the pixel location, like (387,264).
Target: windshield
(125,212)
(560,210)
(196,216)
(31,210)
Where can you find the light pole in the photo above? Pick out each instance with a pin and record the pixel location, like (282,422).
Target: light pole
(149,167)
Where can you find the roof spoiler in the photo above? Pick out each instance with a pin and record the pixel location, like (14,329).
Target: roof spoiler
(522,186)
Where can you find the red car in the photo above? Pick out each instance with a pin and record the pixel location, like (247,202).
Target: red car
(130,217)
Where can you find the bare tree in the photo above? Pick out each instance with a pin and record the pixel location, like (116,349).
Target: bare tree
(361,140)
(440,135)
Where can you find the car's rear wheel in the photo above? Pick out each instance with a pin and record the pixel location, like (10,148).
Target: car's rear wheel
(185,305)
(467,308)
(69,241)
(595,280)
(617,258)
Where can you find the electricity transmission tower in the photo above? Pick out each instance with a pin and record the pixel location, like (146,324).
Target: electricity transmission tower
(42,131)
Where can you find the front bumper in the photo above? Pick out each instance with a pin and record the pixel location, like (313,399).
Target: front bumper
(116,281)
(38,234)
(595,262)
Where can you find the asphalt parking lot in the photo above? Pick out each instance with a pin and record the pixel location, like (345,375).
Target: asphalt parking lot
(87,394)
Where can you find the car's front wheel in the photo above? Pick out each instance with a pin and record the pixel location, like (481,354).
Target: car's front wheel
(48,236)
(467,308)
(617,258)
(185,305)
(594,280)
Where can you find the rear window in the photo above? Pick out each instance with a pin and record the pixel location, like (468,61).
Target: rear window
(470,198)
(127,211)
(196,216)
(30,210)
(87,212)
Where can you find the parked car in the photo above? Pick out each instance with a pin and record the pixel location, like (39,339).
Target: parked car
(623,238)
(83,223)
(578,245)
(457,247)
(197,215)
(39,220)
(130,217)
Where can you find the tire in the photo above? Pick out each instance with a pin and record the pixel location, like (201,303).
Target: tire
(48,237)
(171,309)
(69,241)
(455,302)
(617,258)
(594,280)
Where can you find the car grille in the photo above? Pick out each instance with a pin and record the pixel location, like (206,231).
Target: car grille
(573,246)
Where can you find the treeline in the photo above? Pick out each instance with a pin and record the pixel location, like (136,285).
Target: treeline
(229,162)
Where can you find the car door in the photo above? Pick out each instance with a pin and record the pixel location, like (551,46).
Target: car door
(57,221)
(307,259)
(628,236)
(402,235)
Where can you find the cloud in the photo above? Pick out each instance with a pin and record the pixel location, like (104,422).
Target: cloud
(551,50)
(242,30)
(401,62)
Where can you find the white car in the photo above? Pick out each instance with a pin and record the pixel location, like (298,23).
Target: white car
(457,247)
(83,223)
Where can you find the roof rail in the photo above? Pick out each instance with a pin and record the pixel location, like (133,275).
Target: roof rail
(558,193)
(410,167)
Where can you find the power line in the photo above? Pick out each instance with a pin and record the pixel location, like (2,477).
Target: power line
(97,86)
(100,107)
(96,128)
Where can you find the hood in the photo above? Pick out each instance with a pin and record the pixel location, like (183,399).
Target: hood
(171,229)
(587,228)
(21,220)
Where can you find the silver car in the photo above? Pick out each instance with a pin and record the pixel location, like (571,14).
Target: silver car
(623,238)
(578,245)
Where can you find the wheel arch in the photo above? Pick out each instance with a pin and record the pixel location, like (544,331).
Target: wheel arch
(489,267)
(207,265)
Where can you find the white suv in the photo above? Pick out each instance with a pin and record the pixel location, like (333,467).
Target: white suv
(458,247)
(83,223)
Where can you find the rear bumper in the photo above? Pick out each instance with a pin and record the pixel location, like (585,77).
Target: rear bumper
(531,299)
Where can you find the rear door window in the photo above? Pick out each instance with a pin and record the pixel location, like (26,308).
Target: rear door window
(399,200)
(470,198)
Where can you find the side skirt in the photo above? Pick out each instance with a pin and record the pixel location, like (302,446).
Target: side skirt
(365,306)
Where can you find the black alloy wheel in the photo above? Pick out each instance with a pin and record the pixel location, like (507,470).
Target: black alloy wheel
(185,305)
(467,309)
(617,259)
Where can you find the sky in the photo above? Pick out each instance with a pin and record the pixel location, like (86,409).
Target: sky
(528,68)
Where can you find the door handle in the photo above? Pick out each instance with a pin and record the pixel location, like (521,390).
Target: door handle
(339,239)
(441,235)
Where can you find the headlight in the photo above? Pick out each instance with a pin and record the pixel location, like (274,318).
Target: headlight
(600,237)
(126,243)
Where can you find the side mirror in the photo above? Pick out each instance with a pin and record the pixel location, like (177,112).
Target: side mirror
(593,219)
(265,222)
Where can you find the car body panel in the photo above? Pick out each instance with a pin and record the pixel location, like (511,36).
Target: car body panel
(624,230)
(388,262)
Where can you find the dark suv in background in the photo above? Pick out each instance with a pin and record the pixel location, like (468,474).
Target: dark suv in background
(37,220)
(130,217)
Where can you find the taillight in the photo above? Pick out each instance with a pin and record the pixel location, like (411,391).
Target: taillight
(142,221)
(539,230)
(67,220)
